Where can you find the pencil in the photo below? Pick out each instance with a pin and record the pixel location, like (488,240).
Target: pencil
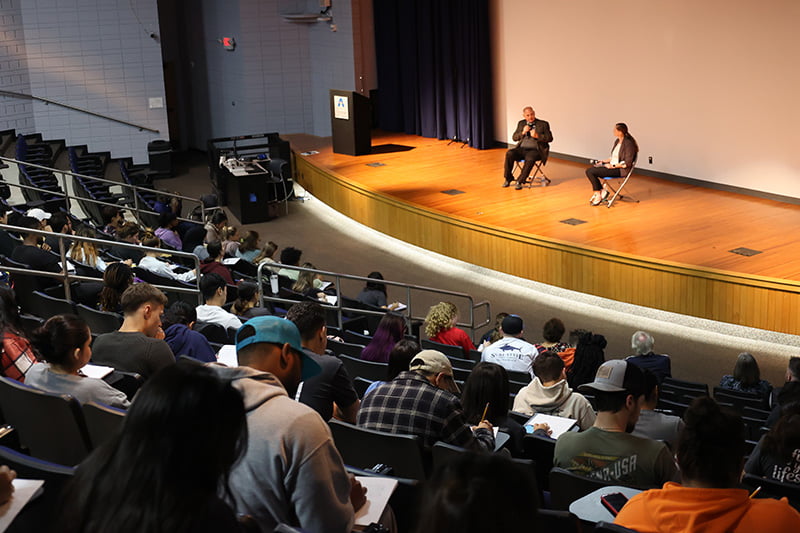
(753,495)
(485,409)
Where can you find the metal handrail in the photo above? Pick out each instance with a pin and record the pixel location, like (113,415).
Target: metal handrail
(47,101)
(407,312)
(66,277)
(135,190)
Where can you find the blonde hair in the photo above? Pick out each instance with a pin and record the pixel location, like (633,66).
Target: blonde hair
(228,232)
(305,280)
(267,251)
(440,316)
(83,251)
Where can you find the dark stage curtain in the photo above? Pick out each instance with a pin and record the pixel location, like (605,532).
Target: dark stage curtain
(434,71)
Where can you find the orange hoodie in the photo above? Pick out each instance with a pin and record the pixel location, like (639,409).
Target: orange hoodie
(675,508)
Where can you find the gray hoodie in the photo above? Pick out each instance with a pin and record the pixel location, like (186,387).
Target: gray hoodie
(558,400)
(291,472)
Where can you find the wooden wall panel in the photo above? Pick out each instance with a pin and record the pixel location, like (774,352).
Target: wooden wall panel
(756,301)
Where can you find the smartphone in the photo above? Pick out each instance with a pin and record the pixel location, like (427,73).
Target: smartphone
(614,502)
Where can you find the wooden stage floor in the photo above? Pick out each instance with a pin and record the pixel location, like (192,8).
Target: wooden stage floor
(674,224)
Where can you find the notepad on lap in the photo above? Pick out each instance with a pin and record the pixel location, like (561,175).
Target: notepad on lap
(379,490)
(96,371)
(558,424)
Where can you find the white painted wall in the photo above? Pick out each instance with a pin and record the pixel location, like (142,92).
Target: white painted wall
(709,88)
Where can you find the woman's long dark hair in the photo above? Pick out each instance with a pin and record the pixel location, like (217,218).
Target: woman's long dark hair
(487,383)
(374,285)
(589,356)
(116,278)
(623,128)
(182,435)
(784,438)
(9,312)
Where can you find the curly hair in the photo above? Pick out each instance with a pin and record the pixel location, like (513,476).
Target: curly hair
(440,316)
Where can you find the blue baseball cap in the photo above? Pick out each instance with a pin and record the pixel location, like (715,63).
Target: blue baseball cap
(277,331)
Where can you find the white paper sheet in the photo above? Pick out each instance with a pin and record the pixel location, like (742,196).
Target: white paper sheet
(24,490)
(379,490)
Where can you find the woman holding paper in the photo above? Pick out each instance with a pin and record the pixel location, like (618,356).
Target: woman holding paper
(64,343)
(623,156)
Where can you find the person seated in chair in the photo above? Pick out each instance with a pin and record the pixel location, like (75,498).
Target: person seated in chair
(215,294)
(533,138)
(623,156)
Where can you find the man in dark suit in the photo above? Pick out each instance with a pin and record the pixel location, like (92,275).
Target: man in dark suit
(533,138)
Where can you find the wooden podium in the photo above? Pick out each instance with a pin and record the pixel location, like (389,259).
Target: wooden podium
(350,123)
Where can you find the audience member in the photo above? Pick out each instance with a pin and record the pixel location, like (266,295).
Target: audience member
(214,263)
(214,226)
(588,358)
(30,253)
(85,252)
(60,223)
(746,377)
(16,356)
(229,236)
(309,283)
(247,301)
(710,453)
(128,233)
(167,232)
(249,248)
(653,424)
(331,392)
(607,451)
(552,332)
(152,261)
(550,394)
(399,359)
(165,469)
(113,218)
(215,294)
(777,455)
(42,217)
(178,334)
(511,352)
(64,343)
(116,278)
(7,242)
(267,256)
(374,292)
(476,493)
(136,346)
(290,256)
(440,326)
(494,334)
(391,329)
(642,344)
(789,393)
(291,472)
(423,402)
(487,385)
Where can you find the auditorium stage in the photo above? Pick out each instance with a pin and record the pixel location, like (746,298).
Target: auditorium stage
(671,251)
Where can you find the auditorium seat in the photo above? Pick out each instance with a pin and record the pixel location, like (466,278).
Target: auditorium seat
(566,487)
(102,421)
(365,369)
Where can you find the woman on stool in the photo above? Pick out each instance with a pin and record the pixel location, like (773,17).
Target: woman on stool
(623,154)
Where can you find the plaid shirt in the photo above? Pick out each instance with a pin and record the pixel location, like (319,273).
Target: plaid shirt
(17,356)
(411,405)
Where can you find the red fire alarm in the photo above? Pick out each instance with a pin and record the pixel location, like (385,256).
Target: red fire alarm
(228,43)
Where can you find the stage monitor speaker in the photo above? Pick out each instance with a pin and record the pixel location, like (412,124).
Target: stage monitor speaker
(350,123)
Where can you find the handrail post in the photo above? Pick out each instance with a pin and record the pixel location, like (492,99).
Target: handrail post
(64,268)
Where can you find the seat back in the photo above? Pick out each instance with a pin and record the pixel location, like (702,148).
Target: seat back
(102,421)
(448,349)
(127,382)
(774,489)
(566,487)
(364,369)
(50,425)
(686,384)
(361,385)
(540,450)
(561,521)
(364,448)
(211,331)
(99,321)
(740,399)
(43,305)
(345,348)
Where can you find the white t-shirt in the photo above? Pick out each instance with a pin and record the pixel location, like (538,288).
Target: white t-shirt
(217,315)
(512,354)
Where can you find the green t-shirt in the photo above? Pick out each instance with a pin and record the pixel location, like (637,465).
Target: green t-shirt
(616,457)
